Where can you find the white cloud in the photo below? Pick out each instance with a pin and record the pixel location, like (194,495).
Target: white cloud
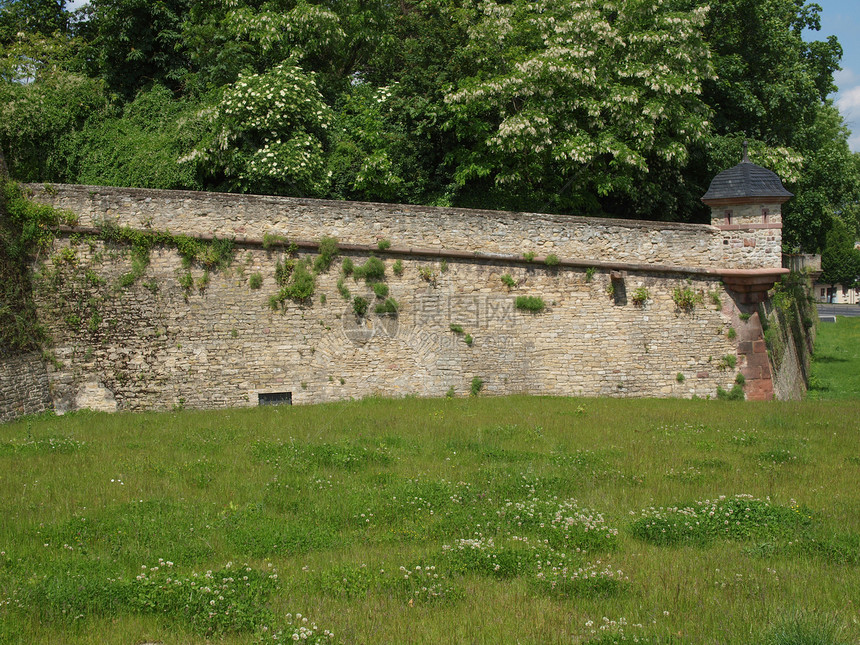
(849,100)
(846,78)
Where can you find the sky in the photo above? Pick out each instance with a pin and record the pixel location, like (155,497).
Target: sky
(841,18)
(838,17)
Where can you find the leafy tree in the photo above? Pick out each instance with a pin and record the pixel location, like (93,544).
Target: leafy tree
(770,87)
(136,43)
(35,116)
(828,186)
(141,146)
(334,39)
(42,17)
(768,79)
(578,100)
(363,159)
(840,261)
(268,135)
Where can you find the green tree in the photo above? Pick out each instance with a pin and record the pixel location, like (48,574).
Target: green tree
(268,134)
(576,101)
(42,17)
(35,116)
(769,87)
(828,186)
(140,146)
(840,261)
(136,43)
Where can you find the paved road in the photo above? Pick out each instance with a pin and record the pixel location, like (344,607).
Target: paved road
(838,310)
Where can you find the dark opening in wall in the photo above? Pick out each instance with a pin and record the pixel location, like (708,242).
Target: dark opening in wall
(275,398)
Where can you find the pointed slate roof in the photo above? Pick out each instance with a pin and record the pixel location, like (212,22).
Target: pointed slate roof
(746,180)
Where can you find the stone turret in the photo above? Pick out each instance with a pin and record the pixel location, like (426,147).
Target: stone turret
(746,205)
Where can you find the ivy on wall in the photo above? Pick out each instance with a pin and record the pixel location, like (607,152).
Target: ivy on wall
(25,232)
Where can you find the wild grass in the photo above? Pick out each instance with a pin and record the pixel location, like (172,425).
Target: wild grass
(835,374)
(464,520)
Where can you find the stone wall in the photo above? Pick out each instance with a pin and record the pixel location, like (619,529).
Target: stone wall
(419,227)
(24,386)
(156,345)
(751,234)
(791,343)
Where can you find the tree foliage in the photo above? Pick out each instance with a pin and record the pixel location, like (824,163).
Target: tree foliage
(619,107)
(268,135)
(840,261)
(574,101)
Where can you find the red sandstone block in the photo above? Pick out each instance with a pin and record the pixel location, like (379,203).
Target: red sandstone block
(745,347)
(761,390)
(758,360)
(759,347)
(749,242)
(701,375)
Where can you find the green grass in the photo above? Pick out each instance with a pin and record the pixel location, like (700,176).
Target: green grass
(464,520)
(836,363)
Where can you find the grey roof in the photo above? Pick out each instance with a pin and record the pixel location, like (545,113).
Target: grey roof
(746,180)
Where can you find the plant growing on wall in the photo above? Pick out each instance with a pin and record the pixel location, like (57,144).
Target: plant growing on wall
(640,296)
(343,290)
(729,361)
(685,298)
(298,286)
(373,270)
(359,306)
(477,386)
(535,304)
(427,274)
(390,306)
(508,281)
(327,253)
(271,240)
(552,260)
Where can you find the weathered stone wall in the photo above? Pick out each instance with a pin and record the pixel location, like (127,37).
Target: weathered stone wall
(423,227)
(752,235)
(155,345)
(24,386)
(158,344)
(791,344)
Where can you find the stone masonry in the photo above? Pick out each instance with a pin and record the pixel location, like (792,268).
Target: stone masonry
(157,344)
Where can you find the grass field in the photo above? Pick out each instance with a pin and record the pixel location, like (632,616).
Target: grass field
(836,366)
(509,520)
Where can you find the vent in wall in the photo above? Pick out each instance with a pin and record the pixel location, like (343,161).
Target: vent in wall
(275,398)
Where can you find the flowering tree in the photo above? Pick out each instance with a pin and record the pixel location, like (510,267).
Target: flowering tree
(269,133)
(579,98)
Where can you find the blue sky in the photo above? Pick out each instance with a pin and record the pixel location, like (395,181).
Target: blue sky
(838,17)
(842,19)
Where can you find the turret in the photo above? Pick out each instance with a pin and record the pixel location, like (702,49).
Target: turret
(746,205)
